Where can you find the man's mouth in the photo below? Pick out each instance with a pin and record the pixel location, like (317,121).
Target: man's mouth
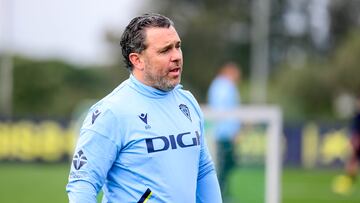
(175,70)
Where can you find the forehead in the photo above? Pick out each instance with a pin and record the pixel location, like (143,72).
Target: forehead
(158,37)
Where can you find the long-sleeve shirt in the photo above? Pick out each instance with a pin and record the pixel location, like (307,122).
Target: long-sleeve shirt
(141,144)
(223,96)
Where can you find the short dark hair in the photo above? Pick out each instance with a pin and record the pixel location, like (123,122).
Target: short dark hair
(133,38)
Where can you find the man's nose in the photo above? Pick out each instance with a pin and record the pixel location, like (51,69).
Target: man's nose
(176,55)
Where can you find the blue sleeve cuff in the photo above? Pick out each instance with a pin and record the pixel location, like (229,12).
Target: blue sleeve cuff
(83,192)
(208,190)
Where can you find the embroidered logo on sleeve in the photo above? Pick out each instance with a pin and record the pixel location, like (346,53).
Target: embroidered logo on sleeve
(79,160)
(94,116)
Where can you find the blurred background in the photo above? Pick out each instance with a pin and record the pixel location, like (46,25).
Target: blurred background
(59,57)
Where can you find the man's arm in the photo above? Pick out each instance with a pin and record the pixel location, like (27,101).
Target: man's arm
(208,189)
(94,156)
(81,191)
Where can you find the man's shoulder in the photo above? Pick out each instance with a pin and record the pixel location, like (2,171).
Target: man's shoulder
(187,94)
(119,99)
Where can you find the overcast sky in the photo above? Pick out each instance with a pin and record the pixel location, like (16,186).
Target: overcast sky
(67,29)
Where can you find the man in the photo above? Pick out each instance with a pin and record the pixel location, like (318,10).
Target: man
(223,95)
(343,184)
(145,140)
(353,163)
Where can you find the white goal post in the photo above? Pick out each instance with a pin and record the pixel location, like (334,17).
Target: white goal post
(272,116)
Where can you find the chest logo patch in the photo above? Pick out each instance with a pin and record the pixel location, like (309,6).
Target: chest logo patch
(185,111)
(143,117)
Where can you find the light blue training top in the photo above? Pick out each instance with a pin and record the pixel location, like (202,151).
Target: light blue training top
(141,144)
(224,96)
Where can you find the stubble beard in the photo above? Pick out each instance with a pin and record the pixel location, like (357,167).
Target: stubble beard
(163,83)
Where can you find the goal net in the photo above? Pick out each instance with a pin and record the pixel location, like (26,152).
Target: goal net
(266,129)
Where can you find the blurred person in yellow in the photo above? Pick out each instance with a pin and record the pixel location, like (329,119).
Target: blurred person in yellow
(343,184)
(223,95)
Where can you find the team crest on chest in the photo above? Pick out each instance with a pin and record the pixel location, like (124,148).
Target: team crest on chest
(185,111)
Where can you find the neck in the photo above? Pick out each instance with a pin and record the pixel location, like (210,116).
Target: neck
(136,73)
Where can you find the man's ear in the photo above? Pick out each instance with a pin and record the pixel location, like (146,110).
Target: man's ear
(136,60)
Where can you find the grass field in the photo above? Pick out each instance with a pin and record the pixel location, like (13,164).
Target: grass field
(298,186)
(44,183)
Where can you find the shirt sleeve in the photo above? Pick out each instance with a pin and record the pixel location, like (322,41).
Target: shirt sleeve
(208,189)
(223,95)
(94,155)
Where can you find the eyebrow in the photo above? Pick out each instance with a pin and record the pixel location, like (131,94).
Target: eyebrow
(169,46)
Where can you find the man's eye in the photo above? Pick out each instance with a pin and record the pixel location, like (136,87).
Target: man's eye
(164,50)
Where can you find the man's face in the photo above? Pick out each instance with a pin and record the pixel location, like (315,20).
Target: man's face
(162,58)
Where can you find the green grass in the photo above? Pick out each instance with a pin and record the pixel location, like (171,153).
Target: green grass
(33,183)
(44,183)
(298,186)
